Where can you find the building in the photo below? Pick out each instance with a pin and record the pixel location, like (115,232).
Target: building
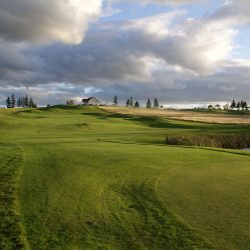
(92,101)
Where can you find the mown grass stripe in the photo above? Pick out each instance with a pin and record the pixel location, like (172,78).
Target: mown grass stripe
(10,225)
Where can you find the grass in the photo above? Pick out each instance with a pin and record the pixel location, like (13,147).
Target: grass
(233,141)
(84,178)
(207,116)
(10,225)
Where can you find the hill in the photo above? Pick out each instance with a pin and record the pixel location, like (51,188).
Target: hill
(85,178)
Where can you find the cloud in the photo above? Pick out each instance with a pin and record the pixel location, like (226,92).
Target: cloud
(168,2)
(168,55)
(48,20)
(126,51)
(235,12)
(133,51)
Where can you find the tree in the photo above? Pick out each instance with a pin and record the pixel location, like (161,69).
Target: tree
(233,105)
(70,102)
(31,103)
(115,100)
(156,103)
(23,102)
(226,107)
(8,103)
(19,102)
(246,106)
(238,106)
(13,101)
(137,104)
(148,104)
(127,103)
(242,104)
(26,101)
(217,107)
(210,107)
(131,102)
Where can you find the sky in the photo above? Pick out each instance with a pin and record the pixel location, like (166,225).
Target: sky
(180,51)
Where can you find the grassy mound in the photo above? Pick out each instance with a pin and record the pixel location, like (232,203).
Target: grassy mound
(231,141)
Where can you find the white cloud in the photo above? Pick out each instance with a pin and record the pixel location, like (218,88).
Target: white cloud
(235,12)
(128,51)
(48,20)
(168,2)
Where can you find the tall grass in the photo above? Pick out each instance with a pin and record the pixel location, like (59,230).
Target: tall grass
(233,141)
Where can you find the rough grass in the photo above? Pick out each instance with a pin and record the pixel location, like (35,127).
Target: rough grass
(98,180)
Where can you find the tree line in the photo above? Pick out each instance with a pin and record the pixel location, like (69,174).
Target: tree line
(131,103)
(21,102)
(241,105)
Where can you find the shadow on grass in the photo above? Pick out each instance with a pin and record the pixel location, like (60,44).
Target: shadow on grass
(149,121)
(158,122)
(61,107)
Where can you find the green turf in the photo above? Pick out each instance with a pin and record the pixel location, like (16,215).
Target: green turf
(11,163)
(82,178)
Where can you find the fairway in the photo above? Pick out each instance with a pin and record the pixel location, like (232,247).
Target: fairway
(86,178)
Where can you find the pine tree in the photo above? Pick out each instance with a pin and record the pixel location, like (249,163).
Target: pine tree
(246,105)
(131,102)
(23,102)
(137,104)
(233,105)
(8,103)
(148,104)
(31,103)
(127,103)
(12,101)
(238,106)
(156,103)
(242,104)
(115,100)
(19,104)
(26,101)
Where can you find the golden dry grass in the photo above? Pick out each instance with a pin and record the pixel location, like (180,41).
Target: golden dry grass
(221,118)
